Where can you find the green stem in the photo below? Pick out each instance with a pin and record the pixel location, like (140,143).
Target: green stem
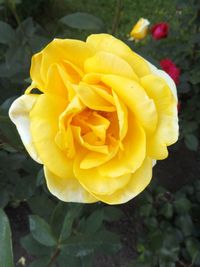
(54,257)
(117,16)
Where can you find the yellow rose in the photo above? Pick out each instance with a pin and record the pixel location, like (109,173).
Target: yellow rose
(140,29)
(103,117)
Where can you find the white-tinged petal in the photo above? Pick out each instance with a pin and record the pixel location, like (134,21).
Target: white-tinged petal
(162,74)
(67,189)
(19,115)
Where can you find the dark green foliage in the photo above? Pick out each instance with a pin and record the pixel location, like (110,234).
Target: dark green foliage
(68,237)
(168,224)
(6,253)
(170,229)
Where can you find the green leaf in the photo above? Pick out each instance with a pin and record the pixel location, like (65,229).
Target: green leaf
(33,247)
(6,33)
(71,260)
(40,262)
(86,261)
(67,226)
(184,223)
(8,131)
(191,141)
(167,210)
(151,223)
(41,231)
(145,210)
(39,203)
(195,77)
(189,127)
(82,21)
(6,252)
(112,213)
(167,264)
(182,205)
(85,244)
(57,217)
(156,239)
(4,197)
(94,221)
(40,177)
(193,247)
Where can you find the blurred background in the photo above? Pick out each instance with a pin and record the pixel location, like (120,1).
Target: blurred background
(160,227)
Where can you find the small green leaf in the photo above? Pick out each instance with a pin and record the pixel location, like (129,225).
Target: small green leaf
(94,221)
(156,239)
(184,223)
(167,210)
(67,226)
(85,244)
(191,141)
(40,262)
(145,210)
(151,223)
(41,231)
(71,260)
(182,205)
(57,217)
(4,197)
(6,33)
(82,21)
(39,203)
(193,247)
(112,213)
(33,247)
(40,177)
(6,252)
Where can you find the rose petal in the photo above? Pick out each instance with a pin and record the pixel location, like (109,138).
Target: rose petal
(167,129)
(131,157)
(122,114)
(94,182)
(166,77)
(107,63)
(135,98)
(137,183)
(19,114)
(44,126)
(67,189)
(58,51)
(110,44)
(93,100)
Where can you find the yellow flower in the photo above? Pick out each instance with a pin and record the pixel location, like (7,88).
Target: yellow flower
(140,29)
(103,117)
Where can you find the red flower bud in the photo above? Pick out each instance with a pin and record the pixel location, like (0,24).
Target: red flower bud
(168,66)
(160,30)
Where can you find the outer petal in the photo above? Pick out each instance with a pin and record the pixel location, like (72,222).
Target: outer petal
(167,129)
(71,54)
(138,182)
(108,43)
(166,77)
(67,189)
(56,81)
(35,71)
(166,134)
(44,126)
(19,114)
